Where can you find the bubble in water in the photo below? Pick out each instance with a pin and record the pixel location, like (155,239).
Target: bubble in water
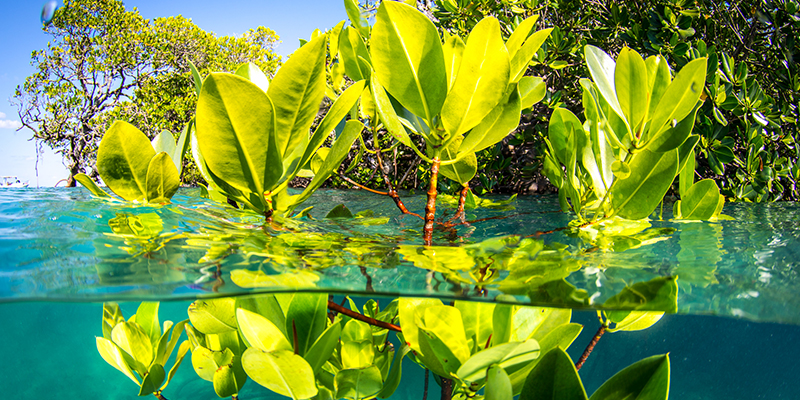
(49,11)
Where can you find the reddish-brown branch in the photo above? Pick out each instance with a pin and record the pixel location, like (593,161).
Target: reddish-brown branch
(372,321)
(430,206)
(391,193)
(159,396)
(360,186)
(462,200)
(590,347)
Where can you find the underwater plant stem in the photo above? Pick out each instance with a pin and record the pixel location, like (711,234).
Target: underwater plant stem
(462,200)
(425,385)
(159,396)
(447,389)
(590,347)
(430,206)
(372,321)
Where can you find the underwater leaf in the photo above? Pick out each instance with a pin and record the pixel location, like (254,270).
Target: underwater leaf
(477,320)
(393,379)
(637,195)
(647,379)
(213,315)
(536,322)
(265,305)
(358,383)
(700,201)
(444,330)
(260,333)
(206,362)
(498,385)
(408,58)
(502,318)
(147,319)
(112,354)
(163,179)
(252,73)
(308,314)
(152,380)
(410,311)
(228,381)
(122,160)
(357,350)
(182,350)
(281,371)
(481,80)
(562,336)
(658,294)
(511,356)
(630,80)
(554,377)
(319,353)
(235,129)
(632,320)
(296,92)
(134,341)
(112,315)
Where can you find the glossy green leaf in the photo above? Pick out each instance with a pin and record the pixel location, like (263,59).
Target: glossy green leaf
(281,371)
(410,311)
(621,169)
(700,201)
(647,379)
(235,129)
(182,146)
(340,211)
(680,97)
(521,33)
(260,333)
(165,142)
(636,196)
(152,380)
(510,355)
(134,341)
(252,73)
(495,126)
(163,179)
(563,124)
(537,322)
(387,113)
(481,80)
(444,330)
(408,59)
(658,79)
(265,305)
(521,59)
(673,137)
(453,50)
(630,321)
(531,91)
(147,319)
(122,160)
(182,350)
(88,183)
(227,382)
(498,385)
(554,377)
(561,336)
(602,67)
(686,175)
(477,321)
(198,81)
(658,294)
(463,170)
(356,20)
(319,353)
(112,354)
(358,384)
(393,379)
(206,362)
(630,80)
(357,350)
(502,320)
(351,47)
(296,92)
(213,315)
(308,314)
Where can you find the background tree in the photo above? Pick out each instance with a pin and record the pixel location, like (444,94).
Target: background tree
(105,63)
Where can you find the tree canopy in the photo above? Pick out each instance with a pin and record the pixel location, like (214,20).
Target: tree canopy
(105,63)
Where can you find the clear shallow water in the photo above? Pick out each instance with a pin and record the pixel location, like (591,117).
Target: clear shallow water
(63,245)
(62,253)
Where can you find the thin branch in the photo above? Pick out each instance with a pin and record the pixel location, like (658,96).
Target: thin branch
(372,321)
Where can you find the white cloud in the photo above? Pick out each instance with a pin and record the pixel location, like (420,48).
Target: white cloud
(7,123)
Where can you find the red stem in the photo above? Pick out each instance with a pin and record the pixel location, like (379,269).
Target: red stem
(372,321)
(590,347)
(430,206)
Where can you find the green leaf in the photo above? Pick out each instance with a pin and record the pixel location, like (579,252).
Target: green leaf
(235,129)
(602,68)
(408,59)
(510,355)
(630,321)
(252,73)
(228,380)
(658,294)
(498,385)
(453,50)
(340,211)
(308,313)
(152,380)
(213,315)
(463,170)
(112,315)
(562,336)
(410,311)
(182,350)
(182,146)
(621,169)
(260,333)
(358,383)
(88,183)
(444,330)
(134,341)
(673,137)
(198,81)
(630,80)
(319,353)
(477,320)
(554,377)
(700,201)
(636,196)
(647,379)
(265,305)
(165,142)
(495,126)
(206,362)
(122,160)
(296,92)
(281,371)
(163,179)
(147,319)
(563,124)
(531,91)
(387,113)
(521,59)
(112,354)
(520,35)
(351,48)
(393,379)
(537,322)
(679,98)
(686,178)
(658,79)
(481,80)
(502,318)
(356,20)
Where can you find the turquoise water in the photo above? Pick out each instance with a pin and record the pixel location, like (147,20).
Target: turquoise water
(63,253)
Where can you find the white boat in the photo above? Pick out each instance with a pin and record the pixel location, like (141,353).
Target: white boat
(13,182)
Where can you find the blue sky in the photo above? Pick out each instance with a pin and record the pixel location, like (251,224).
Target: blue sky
(21,33)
